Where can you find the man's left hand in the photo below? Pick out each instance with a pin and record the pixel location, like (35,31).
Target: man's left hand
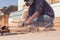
(27,22)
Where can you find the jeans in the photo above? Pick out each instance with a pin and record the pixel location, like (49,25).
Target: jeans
(44,21)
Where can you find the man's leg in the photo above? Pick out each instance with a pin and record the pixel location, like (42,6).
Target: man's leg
(34,25)
(48,22)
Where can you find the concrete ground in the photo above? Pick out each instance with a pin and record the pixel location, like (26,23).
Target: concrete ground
(42,35)
(50,35)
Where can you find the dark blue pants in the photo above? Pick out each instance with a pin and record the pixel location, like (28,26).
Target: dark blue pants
(44,21)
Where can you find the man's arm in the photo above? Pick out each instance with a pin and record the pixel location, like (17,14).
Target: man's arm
(36,14)
(25,13)
(39,5)
(24,16)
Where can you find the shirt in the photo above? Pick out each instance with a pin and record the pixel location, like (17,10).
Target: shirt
(42,7)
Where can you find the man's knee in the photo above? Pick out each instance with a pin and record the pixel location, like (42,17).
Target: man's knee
(48,21)
(47,18)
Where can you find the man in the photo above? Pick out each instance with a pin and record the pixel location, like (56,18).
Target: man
(39,14)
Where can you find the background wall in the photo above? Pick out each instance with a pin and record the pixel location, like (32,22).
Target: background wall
(56,8)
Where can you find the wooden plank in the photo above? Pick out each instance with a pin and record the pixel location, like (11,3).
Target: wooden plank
(57,19)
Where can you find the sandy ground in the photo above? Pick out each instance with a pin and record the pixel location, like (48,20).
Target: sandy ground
(50,35)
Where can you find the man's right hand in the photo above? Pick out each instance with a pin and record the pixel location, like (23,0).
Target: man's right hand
(21,24)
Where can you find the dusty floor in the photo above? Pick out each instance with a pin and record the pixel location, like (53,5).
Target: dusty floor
(42,35)
(50,35)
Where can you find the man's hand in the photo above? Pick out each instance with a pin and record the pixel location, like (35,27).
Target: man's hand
(36,14)
(27,22)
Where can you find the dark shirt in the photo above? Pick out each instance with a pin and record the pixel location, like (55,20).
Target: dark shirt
(42,7)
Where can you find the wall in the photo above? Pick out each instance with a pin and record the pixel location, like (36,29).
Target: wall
(56,8)
(20,4)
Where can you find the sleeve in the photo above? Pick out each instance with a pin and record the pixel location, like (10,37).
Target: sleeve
(39,5)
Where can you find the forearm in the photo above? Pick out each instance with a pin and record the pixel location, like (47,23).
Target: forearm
(24,16)
(36,14)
